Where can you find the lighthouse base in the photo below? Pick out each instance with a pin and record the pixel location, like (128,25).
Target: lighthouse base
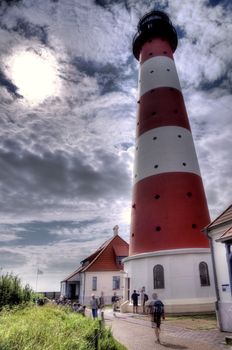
(184,287)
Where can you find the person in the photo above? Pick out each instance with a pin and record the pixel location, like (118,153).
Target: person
(157,312)
(94,306)
(81,309)
(144,299)
(114,301)
(101,301)
(134,297)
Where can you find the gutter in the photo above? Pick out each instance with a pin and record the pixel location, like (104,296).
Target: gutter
(83,297)
(206,231)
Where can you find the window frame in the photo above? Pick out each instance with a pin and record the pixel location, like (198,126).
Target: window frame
(158,277)
(94,283)
(204,274)
(116,282)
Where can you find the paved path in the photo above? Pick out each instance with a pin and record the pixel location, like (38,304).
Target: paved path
(137,334)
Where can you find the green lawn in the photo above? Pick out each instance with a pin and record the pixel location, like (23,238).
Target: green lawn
(52,328)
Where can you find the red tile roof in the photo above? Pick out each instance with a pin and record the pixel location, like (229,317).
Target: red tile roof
(104,258)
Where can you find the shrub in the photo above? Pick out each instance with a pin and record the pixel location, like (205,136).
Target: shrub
(12,293)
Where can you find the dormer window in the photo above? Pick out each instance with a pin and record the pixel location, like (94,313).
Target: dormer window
(119,260)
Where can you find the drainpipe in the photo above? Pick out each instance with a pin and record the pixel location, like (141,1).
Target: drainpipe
(83,298)
(215,277)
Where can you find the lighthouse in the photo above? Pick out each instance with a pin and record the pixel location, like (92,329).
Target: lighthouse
(168,254)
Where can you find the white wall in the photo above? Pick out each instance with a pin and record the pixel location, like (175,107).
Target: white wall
(221,263)
(104,284)
(181,273)
(223,280)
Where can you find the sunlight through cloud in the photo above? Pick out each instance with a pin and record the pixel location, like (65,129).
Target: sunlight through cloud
(35,75)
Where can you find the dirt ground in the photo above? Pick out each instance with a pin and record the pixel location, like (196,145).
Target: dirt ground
(204,322)
(192,322)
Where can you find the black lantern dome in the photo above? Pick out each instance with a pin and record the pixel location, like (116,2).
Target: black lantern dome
(152,25)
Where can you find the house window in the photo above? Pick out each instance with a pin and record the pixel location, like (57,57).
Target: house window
(94,283)
(116,282)
(119,260)
(204,274)
(158,275)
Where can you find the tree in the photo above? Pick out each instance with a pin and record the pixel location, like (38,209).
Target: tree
(12,292)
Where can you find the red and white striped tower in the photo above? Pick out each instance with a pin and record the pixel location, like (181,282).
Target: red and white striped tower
(169,207)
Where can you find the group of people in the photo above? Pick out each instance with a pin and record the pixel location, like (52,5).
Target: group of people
(135,297)
(79,308)
(154,307)
(99,303)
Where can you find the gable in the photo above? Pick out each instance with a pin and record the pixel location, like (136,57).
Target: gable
(107,258)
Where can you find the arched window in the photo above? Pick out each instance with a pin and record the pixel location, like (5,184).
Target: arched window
(204,274)
(158,275)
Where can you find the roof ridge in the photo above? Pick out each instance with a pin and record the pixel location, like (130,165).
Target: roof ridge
(218,217)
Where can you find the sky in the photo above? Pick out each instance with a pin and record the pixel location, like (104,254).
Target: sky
(68,87)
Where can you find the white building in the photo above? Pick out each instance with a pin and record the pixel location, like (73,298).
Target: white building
(220,234)
(102,271)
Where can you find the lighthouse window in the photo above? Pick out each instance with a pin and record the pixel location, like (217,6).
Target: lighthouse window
(165,52)
(155,138)
(204,274)
(168,70)
(194,226)
(184,164)
(156,166)
(179,136)
(150,54)
(189,194)
(151,71)
(158,276)
(157,196)
(175,111)
(153,113)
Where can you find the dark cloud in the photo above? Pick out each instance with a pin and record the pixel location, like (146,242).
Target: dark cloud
(10,260)
(30,30)
(45,180)
(10,87)
(9,2)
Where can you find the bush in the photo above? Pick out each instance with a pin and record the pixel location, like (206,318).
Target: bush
(51,328)
(12,293)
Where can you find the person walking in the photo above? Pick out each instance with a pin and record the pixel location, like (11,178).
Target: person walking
(157,312)
(101,301)
(94,306)
(144,299)
(134,297)
(114,301)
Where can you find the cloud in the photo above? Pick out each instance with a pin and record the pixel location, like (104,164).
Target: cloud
(66,163)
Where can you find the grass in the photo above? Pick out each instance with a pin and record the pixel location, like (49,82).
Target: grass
(51,328)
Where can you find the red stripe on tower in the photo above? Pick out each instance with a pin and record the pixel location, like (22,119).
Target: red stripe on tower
(169,207)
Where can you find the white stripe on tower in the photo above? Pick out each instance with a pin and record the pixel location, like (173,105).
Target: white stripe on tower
(158,72)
